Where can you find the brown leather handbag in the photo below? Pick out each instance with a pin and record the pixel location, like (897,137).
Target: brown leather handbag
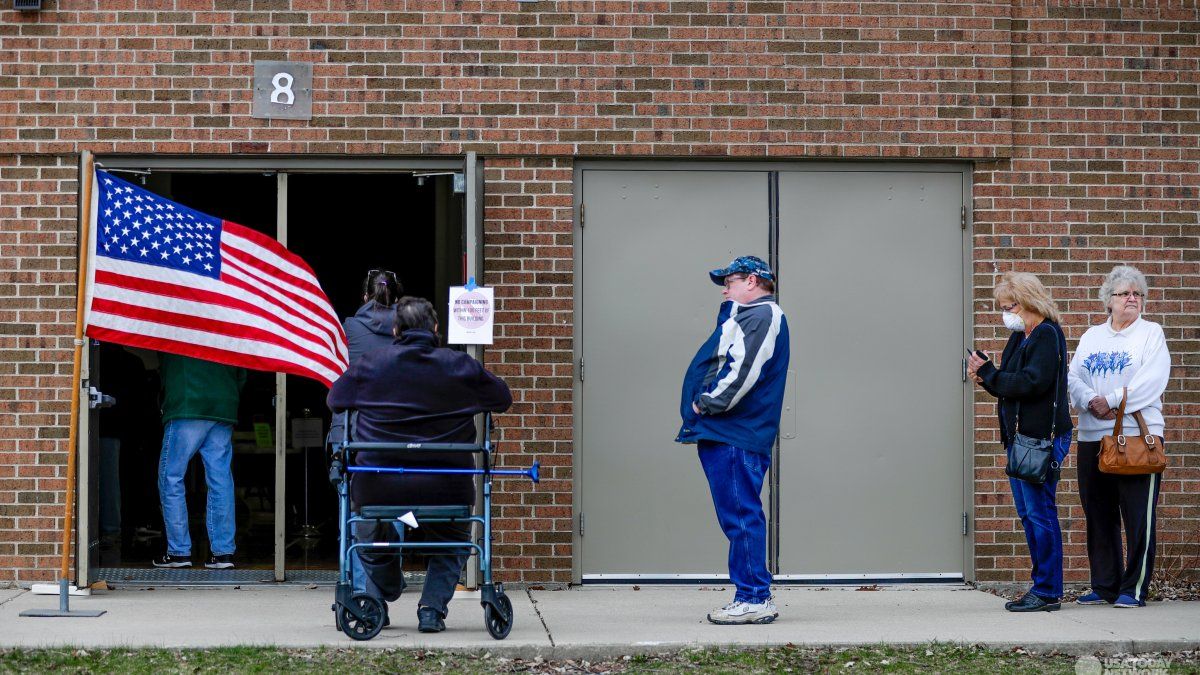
(1131,455)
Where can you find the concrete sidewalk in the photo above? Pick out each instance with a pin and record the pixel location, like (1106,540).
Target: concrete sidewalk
(600,621)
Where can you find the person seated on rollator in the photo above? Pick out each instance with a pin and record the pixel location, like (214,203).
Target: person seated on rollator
(414,391)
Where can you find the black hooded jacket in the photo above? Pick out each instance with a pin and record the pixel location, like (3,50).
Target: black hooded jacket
(370,328)
(412,390)
(1032,371)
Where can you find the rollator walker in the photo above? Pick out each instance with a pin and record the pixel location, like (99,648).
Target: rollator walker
(361,616)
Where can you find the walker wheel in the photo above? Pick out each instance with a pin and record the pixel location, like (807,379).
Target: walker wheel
(500,622)
(371,622)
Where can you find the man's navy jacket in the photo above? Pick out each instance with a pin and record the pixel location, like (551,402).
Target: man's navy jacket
(737,378)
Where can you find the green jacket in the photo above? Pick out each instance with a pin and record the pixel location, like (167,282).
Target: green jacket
(199,390)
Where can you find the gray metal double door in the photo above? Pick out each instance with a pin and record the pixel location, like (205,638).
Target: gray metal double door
(869,477)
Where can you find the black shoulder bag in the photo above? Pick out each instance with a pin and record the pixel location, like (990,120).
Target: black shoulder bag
(1032,459)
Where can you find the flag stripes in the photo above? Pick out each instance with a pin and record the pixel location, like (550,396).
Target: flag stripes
(172,279)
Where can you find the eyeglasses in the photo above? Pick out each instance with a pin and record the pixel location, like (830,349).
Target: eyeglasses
(1009,308)
(371,274)
(1126,294)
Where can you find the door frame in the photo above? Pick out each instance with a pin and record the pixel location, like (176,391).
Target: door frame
(280,166)
(774,168)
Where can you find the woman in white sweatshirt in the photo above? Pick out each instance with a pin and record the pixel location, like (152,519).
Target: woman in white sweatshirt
(1124,354)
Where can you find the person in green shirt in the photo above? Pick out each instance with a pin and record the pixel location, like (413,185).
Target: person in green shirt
(200,404)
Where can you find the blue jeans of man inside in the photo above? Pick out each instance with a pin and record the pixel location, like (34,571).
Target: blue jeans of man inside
(735,479)
(182,439)
(1039,517)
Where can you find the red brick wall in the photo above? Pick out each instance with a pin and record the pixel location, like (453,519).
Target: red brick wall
(528,254)
(37,310)
(1082,118)
(1105,170)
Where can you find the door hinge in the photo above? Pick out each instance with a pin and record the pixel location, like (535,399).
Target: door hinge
(582,215)
(964,370)
(965,523)
(581,369)
(581,523)
(962,217)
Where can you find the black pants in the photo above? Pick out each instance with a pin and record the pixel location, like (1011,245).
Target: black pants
(383,572)
(1108,500)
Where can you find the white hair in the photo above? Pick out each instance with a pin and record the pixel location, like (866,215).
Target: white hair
(1123,275)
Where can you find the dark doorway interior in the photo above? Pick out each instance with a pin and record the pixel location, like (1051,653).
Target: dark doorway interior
(126,522)
(342,225)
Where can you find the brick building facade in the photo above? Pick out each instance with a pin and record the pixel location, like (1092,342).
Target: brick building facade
(1080,118)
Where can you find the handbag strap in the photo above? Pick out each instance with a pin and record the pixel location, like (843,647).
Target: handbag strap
(1118,425)
(1057,386)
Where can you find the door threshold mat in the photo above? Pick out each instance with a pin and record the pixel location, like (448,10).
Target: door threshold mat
(118,577)
(143,577)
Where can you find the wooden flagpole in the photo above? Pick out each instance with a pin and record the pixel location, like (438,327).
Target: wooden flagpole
(85,209)
(87,173)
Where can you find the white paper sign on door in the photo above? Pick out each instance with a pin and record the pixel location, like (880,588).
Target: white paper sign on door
(472,315)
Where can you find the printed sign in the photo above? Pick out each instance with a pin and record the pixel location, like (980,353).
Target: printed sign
(264,437)
(307,432)
(282,90)
(472,313)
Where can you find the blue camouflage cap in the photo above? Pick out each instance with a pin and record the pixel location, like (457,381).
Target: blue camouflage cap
(747,264)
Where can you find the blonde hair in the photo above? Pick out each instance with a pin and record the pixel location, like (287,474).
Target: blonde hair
(1027,290)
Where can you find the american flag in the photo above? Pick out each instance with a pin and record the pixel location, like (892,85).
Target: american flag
(170,278)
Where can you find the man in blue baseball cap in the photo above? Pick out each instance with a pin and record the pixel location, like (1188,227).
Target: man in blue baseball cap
(732,399)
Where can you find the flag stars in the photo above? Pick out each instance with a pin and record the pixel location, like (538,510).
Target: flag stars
(187,260)
(207,267)
(143,251)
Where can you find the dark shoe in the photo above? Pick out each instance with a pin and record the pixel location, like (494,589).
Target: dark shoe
(387,620)
(429,620)
(219,562)
(1127,602)
(1033,603)
(168,560)
(1092,598)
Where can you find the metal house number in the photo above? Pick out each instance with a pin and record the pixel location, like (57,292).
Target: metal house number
(282,90)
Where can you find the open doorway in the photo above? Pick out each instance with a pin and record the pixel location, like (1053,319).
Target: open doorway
(342,224)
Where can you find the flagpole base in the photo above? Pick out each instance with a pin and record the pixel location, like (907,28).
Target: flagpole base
(64,606)
(60,612)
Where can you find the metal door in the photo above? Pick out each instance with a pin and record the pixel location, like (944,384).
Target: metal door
(872,283)
(645,305)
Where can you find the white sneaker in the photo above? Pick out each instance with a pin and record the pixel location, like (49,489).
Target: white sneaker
(744,612)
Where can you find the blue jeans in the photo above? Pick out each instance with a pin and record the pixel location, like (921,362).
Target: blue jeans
(381,574)
(735,479)
(182,439)
(1039,517)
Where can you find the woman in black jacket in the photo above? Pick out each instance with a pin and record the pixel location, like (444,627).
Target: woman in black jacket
(414,390)
(1031,385)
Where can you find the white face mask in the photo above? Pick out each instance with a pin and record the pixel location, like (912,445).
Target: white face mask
(1012,321)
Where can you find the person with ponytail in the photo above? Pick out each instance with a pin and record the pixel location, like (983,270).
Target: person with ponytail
(369,329)
(371,326)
